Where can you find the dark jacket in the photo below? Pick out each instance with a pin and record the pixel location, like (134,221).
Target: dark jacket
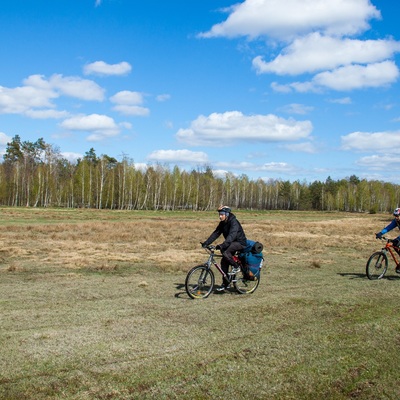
(231,230)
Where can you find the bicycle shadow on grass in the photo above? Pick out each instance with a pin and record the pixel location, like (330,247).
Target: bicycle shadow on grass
(354,275)
(183,295)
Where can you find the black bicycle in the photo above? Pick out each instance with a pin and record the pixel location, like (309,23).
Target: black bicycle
(200,280)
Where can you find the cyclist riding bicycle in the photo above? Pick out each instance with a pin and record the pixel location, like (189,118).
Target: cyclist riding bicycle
(235,240)
(395,222)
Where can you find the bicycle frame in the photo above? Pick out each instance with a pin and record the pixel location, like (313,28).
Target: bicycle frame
(389,248)
(211,261)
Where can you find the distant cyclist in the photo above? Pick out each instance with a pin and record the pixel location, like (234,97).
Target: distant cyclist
(395,223)
(235,240)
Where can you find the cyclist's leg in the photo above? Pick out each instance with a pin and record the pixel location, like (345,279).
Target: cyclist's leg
(225,267)
(229,253)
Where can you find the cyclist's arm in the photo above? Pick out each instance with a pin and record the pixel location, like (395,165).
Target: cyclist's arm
(215,235)
(388,228)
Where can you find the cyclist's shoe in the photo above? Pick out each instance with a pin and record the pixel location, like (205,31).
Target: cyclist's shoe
(235,270)
(222,288)
(398,269)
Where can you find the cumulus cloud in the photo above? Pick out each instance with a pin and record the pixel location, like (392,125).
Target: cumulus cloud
(104,69)
(77,87)
(346,78)
(127,97)
(358,76)
(376,142)
(35,98)
(233,126)
(179,156)
(20,99)
(129,103)
(315,52)
(315,37)
(285,20)
(99,126)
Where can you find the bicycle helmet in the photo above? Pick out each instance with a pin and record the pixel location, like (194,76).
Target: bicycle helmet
(224,210)
(396,212)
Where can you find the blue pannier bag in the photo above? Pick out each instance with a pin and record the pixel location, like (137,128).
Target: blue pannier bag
(252,259)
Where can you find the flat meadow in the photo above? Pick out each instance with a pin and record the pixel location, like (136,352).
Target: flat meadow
(93,306)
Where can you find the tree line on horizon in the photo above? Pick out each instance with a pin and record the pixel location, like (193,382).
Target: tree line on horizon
(34,174)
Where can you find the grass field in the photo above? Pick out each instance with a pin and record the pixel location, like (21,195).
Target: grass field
(93,306)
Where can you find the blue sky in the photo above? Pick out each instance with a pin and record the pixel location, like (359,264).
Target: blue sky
(273,89)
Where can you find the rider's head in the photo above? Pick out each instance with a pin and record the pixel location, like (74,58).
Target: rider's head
(223,212)
(396,213)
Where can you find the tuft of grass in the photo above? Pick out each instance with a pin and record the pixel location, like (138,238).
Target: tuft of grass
(316,264)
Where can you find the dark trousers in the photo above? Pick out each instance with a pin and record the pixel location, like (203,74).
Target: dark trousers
(227,258)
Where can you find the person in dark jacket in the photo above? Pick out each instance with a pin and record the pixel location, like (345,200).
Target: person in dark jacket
(235,240)
(395,223)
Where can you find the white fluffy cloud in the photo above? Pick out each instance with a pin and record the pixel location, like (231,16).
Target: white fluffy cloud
(21,99)
(99,126)
(129,103)
(381,162)
(314,36)
(287,19)
(233,126)
(346,78)
(315,52)
(376,142)
(77,87)
(102,68)
(358,76)
(36,97)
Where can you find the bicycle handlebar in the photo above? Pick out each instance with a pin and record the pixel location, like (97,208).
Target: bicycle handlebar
(210,248)
(386,238)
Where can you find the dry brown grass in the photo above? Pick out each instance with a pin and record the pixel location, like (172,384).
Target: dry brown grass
(36,238)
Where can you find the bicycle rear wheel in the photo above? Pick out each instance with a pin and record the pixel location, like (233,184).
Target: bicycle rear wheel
(244,285)
(377,265)
(199,282)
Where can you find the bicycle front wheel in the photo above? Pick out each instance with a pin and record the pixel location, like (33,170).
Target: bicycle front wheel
(199,282)
(377,265)
(244,285)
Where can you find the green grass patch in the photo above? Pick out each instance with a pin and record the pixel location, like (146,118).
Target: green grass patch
(109,328)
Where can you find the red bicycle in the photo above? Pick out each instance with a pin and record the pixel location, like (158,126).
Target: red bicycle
(377,264)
